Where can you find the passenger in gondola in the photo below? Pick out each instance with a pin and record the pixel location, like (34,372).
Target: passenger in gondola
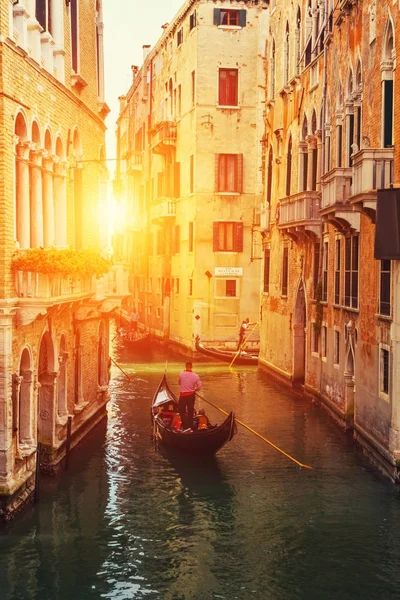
(201,421)
(176,423)
(189,384)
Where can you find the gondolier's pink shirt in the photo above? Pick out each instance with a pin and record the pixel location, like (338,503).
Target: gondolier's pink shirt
(189,383)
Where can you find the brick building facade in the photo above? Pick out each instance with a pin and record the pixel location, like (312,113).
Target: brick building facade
(331,127)
(53,329)
(189,178)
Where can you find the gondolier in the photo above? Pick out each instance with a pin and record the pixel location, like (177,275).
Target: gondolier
(189,384)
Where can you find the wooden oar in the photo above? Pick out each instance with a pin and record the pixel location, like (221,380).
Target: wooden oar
(242,346)
(257,434)
(120,368)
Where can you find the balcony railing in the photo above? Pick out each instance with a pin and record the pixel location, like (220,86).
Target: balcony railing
(372,170)
(299,209)
(335,187)
(163,208)
(52,286)
(163,137)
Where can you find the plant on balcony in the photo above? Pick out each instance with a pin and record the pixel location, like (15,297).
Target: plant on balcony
(64,261)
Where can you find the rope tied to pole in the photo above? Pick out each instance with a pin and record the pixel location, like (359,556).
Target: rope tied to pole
(300,464)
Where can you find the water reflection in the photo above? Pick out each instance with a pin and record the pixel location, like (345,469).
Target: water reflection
(133,521)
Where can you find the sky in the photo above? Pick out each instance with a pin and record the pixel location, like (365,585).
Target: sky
(128,25)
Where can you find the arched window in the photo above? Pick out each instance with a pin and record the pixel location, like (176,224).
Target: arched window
(22,184)
(297,41)
(314,152)
(339,127)
(309,34)
(272,70)
(387,87)
(25,412)
(351,148)
(269,176)
(303,156)
(289,167)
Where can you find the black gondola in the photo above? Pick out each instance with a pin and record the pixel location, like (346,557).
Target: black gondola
(136,340)
(243,358)
(201,443)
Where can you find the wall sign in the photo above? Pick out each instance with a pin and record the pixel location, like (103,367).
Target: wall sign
(228,271)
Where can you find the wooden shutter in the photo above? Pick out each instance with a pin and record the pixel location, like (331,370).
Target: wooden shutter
(239,176)
(238,239)
(217,16)
(215,236)
(217,180)
(177,180)
(242,18)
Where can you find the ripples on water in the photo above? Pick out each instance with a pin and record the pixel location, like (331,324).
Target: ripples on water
(128,521)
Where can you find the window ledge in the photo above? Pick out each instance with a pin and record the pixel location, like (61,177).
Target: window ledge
(324,359)
(284,296)
(386,318)
(228,106)
(230,27)
(78,408)
(228,193)
(78,82)
(315,354)
(351,309)
(384,396)
(336,366)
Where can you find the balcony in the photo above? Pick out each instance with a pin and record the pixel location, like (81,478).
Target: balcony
(299,215)
(134,161)
(163,137)
(163,208)
(372,170)
(335,206)
(52,287)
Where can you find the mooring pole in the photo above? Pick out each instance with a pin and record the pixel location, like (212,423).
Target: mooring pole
(68,443)
(37,474)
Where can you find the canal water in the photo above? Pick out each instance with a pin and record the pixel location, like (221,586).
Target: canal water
(127,522)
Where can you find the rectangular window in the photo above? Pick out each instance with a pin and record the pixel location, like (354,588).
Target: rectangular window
(267,265)
(336,347)
(190,287)
(229,17)
(337,272)
(191,174)
(385,288)
(228,237)
(350,138)
(285,271)
(193,87)
(228,87)
(388,113)
(179,37)
(192,20)
(158,312)
(324,341)
(229,173)
(351,272)
(230,288)
(74,35)
(384,368)
(316,267)
(314,339)
(190,236)
(325,273)
(339,146)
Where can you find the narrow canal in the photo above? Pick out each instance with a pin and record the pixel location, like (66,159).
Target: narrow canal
(125,522)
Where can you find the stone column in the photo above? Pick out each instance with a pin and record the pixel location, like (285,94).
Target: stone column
(60,204)
(26,404)
(36,199)
(311,145)
(62,385)
(22,196)
(47,408)
(6,420)
(48,201)
(318,136)
(302,152)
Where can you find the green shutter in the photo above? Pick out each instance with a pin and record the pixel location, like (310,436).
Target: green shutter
(217,16)
(242,18)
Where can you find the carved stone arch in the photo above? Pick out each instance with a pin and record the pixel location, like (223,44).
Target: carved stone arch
(48,141)
(359,78)
(76,142)
(314,122)
(36,137)
(23,418)
(304,128)
(389,47)
(350,361)
(59,148)
(21,126)
(339,96)
(350,85)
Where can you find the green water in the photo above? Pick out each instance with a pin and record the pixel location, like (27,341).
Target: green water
(128,522)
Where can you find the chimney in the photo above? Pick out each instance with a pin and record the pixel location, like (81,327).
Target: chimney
(146,50)
(135,70)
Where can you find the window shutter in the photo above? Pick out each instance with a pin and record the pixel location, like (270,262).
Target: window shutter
(239,183)
(177,180)
(215,236)
(217,189)
(217,17)
(242,18)
(238,237)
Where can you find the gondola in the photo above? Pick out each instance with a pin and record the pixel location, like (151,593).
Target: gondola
(243,358)
(140,341)
(204,442)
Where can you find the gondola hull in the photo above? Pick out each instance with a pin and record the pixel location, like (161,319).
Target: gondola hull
(196,443)
(141,342)
(244,358)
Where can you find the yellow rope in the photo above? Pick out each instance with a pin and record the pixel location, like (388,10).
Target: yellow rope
(242,345)
(257,434)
